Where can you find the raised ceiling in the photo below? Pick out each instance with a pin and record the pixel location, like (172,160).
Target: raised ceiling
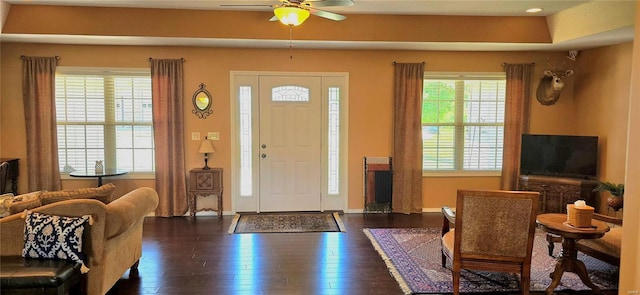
(414,7)
(571,24)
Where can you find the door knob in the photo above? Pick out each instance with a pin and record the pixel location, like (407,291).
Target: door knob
(264,146)
(263,156)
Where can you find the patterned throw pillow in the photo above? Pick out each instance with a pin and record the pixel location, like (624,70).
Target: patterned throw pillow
(5,199)
(54,237)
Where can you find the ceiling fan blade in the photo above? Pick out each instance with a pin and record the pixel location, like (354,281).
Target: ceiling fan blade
(246,5)
(327,14)
(327,3)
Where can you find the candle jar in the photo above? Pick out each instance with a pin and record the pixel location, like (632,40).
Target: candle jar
(99,167)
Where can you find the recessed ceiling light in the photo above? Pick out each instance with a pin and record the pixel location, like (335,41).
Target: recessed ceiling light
(534,10)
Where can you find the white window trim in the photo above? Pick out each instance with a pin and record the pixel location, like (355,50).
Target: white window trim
(469,173)
(468,76)
(69,70)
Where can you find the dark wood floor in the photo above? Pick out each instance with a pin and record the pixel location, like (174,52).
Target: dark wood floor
(184,255)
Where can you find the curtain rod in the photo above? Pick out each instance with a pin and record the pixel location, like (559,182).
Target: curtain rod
(504,64)
(23,56)
(397,62)
(182,59)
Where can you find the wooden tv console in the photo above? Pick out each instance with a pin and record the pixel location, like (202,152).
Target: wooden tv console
(557,192)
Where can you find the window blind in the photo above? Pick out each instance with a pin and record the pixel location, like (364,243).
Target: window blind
(463,122)
(104,116)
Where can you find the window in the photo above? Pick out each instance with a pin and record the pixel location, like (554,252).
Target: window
(245,135)
(333,141)
(463,122)
(290,94)
(104,115)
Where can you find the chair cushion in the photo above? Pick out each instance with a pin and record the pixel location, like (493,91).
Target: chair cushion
(447,243)
(609,243)
(54,237)
(103,193)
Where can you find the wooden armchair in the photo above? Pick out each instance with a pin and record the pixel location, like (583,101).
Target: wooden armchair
(493,231)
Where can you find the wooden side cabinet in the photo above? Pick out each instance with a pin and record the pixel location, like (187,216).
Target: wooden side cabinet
(557,192)
(205,183)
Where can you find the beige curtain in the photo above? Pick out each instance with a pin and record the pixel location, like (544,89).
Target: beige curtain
(168,126)
(407,138)
(38,94)
(516,120)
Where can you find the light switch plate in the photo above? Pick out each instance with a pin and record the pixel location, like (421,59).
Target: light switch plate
(213,135)
(195,135)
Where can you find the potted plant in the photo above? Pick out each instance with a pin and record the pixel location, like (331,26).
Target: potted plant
(616,193)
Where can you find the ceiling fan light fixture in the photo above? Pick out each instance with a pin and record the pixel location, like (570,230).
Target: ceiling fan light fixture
(290,15)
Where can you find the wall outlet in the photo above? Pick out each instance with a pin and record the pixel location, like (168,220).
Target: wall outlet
(195,135)
(213,135)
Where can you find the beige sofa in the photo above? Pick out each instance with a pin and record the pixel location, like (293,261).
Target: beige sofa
(606,248)
(113,243)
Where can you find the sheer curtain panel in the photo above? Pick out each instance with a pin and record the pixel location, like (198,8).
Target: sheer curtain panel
(38,94)
(516,120)
(168,124)
(407,138)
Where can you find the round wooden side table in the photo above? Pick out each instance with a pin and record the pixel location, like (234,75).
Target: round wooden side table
(556,223)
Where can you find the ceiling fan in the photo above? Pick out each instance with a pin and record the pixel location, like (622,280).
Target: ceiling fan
(295,12)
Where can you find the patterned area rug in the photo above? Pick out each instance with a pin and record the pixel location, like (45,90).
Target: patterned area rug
(286,223)
(413,258)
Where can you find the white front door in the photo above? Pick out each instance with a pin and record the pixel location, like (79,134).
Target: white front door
(290,143)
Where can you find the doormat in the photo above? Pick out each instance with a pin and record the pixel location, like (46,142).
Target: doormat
(288,222)
(413,258)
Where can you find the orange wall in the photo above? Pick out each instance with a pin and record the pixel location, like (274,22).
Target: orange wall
(371,76)
(630,260)
(602,108)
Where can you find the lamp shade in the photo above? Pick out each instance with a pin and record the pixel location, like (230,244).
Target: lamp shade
(206,147)
(290,15)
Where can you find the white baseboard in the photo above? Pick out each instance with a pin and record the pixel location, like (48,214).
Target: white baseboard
(354,211)
(424,210)
(431,210)
(211,213)
(349,211)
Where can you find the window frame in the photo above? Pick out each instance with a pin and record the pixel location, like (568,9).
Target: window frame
(459,150)
(110,120)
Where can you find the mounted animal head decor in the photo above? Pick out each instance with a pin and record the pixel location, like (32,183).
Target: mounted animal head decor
(550,86)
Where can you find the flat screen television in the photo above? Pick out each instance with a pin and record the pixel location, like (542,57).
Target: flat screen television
(559,155)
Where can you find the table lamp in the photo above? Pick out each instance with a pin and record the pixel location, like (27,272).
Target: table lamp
(205,148)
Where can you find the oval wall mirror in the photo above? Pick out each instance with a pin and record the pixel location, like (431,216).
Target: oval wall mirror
(202,102)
